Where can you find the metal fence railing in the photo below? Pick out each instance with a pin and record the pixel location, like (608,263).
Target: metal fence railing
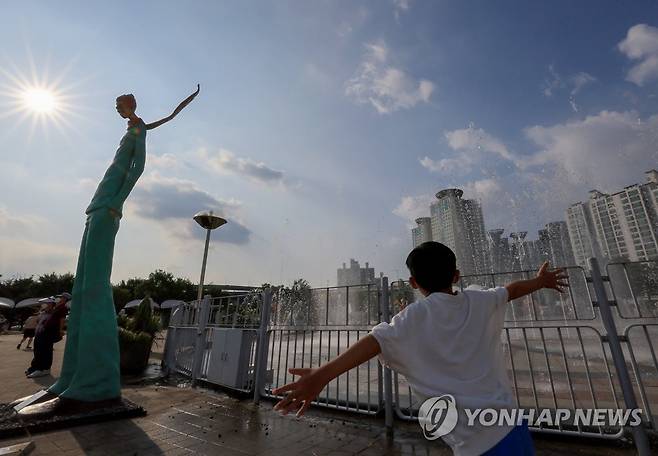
(642,342)
(181,338)
(311,327)
(634,288)
(594,347)
(215,340)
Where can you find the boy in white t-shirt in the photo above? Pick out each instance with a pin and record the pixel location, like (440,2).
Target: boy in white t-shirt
(448,343)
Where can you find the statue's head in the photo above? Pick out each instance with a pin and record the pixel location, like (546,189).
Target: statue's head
(126,105)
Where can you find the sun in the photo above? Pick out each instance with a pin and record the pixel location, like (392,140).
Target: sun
(40,101)
(38,98)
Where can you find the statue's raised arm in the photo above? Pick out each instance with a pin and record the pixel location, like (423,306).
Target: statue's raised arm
(178,109)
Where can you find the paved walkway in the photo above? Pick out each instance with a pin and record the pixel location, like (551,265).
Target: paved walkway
(182,421)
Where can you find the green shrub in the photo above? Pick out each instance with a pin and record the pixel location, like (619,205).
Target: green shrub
(136,335)
(143,320)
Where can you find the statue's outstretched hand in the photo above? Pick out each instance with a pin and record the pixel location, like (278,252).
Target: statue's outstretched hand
(178,109)
(188,100)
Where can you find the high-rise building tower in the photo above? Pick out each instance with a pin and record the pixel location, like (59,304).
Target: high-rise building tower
(422,232)
(459,224)
(607,226)
(582,235)
(618,226)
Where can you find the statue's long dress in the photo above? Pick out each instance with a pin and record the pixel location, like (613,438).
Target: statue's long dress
(90,370)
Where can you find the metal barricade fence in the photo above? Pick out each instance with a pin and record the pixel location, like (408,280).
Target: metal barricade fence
(561,350)
(311,327)
(181,339)
(215,340)
(634,290)
(642,341)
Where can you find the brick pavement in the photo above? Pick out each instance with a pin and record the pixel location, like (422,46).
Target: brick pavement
(183,421)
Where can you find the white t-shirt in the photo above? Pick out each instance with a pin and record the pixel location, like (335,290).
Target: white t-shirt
(451,344)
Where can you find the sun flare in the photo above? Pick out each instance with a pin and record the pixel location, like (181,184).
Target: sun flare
(38,98)
(40,101)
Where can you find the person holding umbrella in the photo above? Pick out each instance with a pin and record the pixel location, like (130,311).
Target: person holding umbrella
(49,331)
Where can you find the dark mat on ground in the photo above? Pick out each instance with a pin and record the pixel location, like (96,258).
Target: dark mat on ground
(11,425)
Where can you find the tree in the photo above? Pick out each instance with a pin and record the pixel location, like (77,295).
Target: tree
(162,285)
(17,289)
(27,287)
(121,297)
(52,284)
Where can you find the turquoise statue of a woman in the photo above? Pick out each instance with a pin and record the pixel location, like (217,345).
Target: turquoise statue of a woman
(90,370)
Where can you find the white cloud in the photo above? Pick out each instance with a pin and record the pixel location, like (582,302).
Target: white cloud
(476,139)
(444,165)
(225,161)
(162,161)
(472,146)
(605,150)
(385,87)
(484,189)
(641,43)
(644,71)
(174,201)
(412,207)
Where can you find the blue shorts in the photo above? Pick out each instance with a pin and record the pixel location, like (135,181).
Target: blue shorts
(516,443)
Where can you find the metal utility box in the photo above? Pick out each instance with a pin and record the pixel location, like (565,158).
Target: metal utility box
(229,363)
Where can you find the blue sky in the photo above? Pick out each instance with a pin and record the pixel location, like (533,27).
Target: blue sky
(322,128)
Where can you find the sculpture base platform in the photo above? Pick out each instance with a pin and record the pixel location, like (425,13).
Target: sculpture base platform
(60,413)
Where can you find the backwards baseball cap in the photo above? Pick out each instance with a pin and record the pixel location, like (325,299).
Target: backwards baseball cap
(64,295)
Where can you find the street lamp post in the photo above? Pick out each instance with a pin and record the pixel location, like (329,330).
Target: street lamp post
(209,222)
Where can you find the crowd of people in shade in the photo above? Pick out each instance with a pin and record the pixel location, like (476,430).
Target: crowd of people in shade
(44,329)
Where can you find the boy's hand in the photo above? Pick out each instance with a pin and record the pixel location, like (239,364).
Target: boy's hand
(302,392)
(554,280)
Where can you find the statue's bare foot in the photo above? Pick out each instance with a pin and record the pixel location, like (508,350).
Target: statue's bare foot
(63,406)
(45,397)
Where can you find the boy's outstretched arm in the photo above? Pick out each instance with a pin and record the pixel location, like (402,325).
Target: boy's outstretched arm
(555,280)
(312,381)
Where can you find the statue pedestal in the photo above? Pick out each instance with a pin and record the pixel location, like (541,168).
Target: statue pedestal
(45,412)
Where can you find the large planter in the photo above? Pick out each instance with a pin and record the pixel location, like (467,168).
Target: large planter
(135,351)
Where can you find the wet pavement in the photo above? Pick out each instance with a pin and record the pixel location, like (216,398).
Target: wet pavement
(182,420)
